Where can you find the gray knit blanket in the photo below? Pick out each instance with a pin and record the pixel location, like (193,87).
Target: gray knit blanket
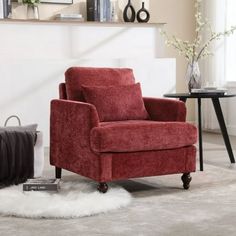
(16,157)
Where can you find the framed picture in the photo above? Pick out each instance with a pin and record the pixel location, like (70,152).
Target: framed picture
(57,1)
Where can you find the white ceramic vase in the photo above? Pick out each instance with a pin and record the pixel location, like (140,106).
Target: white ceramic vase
(32,12)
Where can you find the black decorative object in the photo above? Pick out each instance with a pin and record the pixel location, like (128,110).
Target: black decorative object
(143,12)
(92,10)
(128,8)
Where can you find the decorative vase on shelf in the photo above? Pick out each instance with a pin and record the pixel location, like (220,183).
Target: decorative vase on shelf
(129,12)
(32,12)
(143,15)
(193,76)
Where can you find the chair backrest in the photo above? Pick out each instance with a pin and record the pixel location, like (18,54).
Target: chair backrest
(76,77)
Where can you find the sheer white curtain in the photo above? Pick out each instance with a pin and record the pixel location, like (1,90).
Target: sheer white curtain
(213,68)
(230,67)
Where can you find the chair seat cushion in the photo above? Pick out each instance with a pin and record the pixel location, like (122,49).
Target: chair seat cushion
(134,135)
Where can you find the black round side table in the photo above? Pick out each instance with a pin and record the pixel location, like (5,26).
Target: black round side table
(215,97)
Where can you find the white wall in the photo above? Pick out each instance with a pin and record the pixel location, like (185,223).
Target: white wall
(178,14)
(230,112)
(34,57)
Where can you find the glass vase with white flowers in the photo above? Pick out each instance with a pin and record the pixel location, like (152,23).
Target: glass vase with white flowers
(197,49)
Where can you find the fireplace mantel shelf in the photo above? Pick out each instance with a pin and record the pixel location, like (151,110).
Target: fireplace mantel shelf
(83,23)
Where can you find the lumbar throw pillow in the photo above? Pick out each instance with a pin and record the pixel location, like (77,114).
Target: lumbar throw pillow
(115,103)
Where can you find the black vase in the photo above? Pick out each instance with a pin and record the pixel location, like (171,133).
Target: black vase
(143,11)
(128,8)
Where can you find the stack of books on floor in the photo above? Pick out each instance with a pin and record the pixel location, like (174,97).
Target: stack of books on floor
(42,184)
(69,16)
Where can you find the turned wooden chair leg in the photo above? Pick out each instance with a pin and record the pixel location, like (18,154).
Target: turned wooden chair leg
(58,173)
(186,178)
(102,187)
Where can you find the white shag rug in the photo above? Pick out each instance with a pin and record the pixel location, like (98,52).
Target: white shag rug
(74,199)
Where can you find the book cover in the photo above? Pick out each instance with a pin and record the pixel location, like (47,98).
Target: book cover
(41,185)
(113,13)
(101,10)
(9,9)
(5,8)
(95,10)
(105,5)
(98,10)
(108,10)
(92,10)
(1,9)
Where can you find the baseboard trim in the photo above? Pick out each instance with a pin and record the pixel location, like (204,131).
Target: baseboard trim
(193,122)
(231,130)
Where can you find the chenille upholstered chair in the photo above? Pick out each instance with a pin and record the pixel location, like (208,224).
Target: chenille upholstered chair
(103,129)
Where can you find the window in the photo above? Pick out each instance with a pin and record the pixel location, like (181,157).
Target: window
(230,60)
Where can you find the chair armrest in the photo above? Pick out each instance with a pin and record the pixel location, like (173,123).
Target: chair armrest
(70,126)
(161,109)
(71,122)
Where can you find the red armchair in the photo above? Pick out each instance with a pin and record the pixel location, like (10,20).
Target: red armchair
(105,151)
